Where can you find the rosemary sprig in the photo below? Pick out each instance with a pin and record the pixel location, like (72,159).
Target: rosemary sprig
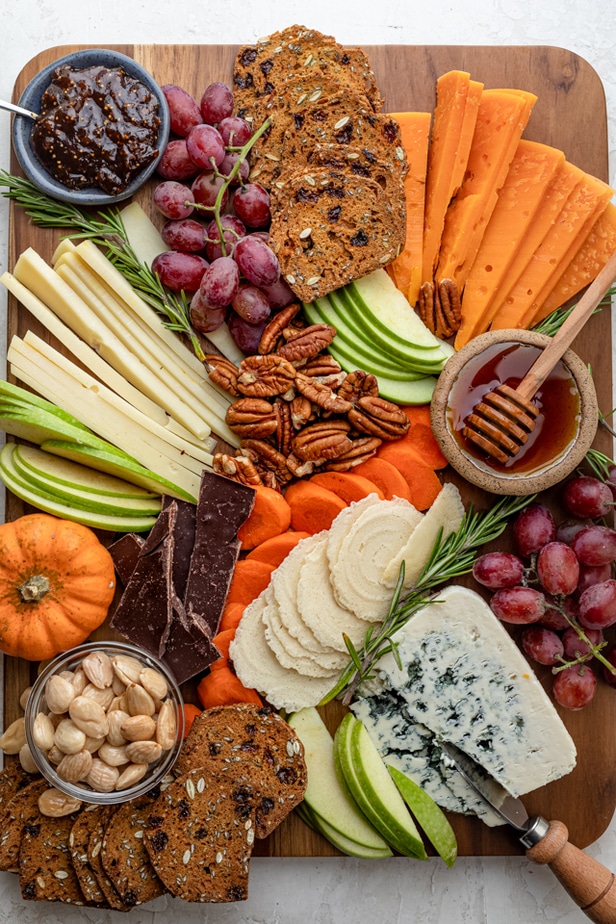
(106,229)
(450,558)
(554,321)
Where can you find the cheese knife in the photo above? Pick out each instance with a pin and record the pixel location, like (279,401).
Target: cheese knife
(590,884)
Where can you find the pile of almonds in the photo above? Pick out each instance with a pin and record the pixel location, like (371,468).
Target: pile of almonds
(297,410)
(104,724)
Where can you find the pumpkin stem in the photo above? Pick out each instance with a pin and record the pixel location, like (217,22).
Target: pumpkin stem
(34,589)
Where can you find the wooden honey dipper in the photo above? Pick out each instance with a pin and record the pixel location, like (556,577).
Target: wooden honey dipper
(505,417)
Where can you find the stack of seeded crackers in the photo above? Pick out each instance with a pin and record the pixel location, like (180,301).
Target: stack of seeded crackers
(333,163)
(240,773)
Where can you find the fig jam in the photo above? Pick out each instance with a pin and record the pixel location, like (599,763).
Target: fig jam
(98,127)
(558,401)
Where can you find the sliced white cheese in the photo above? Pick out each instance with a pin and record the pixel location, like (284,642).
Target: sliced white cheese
(366,551)
(291,653)
(258,668)
(464,678)
(142,234)
(445,514)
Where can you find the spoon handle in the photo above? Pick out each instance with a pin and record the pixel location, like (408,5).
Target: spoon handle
(11,107)
(542,367)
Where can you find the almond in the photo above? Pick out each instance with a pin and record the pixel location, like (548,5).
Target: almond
(127,669)
(166,726)
(59,694)
(131,775)
(98,669)
(138,728)
(143,752)
(14,737)
(139,701)
(43,731)
(102,777)
(56,804)
(68,737)
(116,720)
(112,755)
(153,683)
(89,716)
(75,767)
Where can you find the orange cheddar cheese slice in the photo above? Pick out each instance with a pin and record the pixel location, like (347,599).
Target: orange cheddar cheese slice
(502,117)
(592,256)
(589,197)
(455,115)
(532,170)
(415,134)
(503,313)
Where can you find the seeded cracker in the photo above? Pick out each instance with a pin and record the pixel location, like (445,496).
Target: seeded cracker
(84,825)
(297,52)
(46,871)
(19,810)
(200,835)
(246,738)
(124,856)
(95,845)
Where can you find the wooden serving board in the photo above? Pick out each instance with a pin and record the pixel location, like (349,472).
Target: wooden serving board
(570,114)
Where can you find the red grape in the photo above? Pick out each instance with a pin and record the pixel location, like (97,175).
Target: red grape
(179,271)
(558,568)
(585,496)
(205,189)
(568,530)
(498,569)
(246,335)
(184,113)
(542,645)
(533,528)
(257,263)
(598,605)
(279,294)
(176,163)
(216,103)
(204,318)
(205,146)
(185,235)
(611,480)
(554,616)
(233,230)
(228,163)
(235,132)
(595,545)
(590,576)
(173,200)
(575,647)
(220,282)
(251,203)
(574,687)
(251,304)
(519,605)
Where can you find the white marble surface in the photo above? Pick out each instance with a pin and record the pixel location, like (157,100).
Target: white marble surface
(344,891)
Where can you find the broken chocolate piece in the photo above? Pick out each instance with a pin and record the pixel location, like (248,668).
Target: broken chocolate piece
(125,552)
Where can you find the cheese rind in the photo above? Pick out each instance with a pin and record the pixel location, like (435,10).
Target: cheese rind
(464,678)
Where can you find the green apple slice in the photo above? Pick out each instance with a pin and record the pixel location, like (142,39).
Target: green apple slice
(428,814)
(13,393)
(390,311)
(324,795)
(409,391)
(115,523)
(74,494)
(342,843)
(36,425)
(120,465)
(373,788)
(61,471)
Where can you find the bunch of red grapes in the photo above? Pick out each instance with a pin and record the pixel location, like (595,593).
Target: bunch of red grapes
(560,585)
(217,221)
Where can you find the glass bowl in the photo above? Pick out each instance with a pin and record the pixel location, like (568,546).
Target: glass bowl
(156,770)
(31,98)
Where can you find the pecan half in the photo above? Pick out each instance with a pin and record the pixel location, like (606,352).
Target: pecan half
(298,468)
(448,311)
(379,417)
(326,439)
(321,395)
(222,372)
(267,459)
(265,376)
(357,384)
(273,331)
(426,305)
(307,343)
(252,417)
(302,412)
(238,468)
(284,426)
(361,449)
(322,366)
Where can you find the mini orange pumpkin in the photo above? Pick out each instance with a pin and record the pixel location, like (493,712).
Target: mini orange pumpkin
(57,582)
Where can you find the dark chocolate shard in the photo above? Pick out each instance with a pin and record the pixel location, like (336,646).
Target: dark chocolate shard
(189,650)
(183,535)
(223,507)
(125,552)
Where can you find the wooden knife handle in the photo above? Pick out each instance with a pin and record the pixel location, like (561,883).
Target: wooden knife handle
(590,884)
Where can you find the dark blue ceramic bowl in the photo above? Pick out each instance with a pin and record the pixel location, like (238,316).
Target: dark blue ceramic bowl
(31,99)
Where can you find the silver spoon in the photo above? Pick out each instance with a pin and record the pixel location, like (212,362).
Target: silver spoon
(18,110)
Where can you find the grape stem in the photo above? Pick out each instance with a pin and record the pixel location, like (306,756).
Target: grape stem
(594,651)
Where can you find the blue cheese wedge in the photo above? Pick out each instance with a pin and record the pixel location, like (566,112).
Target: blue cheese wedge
(463,677)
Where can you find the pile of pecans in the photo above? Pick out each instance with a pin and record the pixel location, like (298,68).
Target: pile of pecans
(103,725)
(296,410)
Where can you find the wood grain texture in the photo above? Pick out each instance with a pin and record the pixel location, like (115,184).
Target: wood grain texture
(570,114)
